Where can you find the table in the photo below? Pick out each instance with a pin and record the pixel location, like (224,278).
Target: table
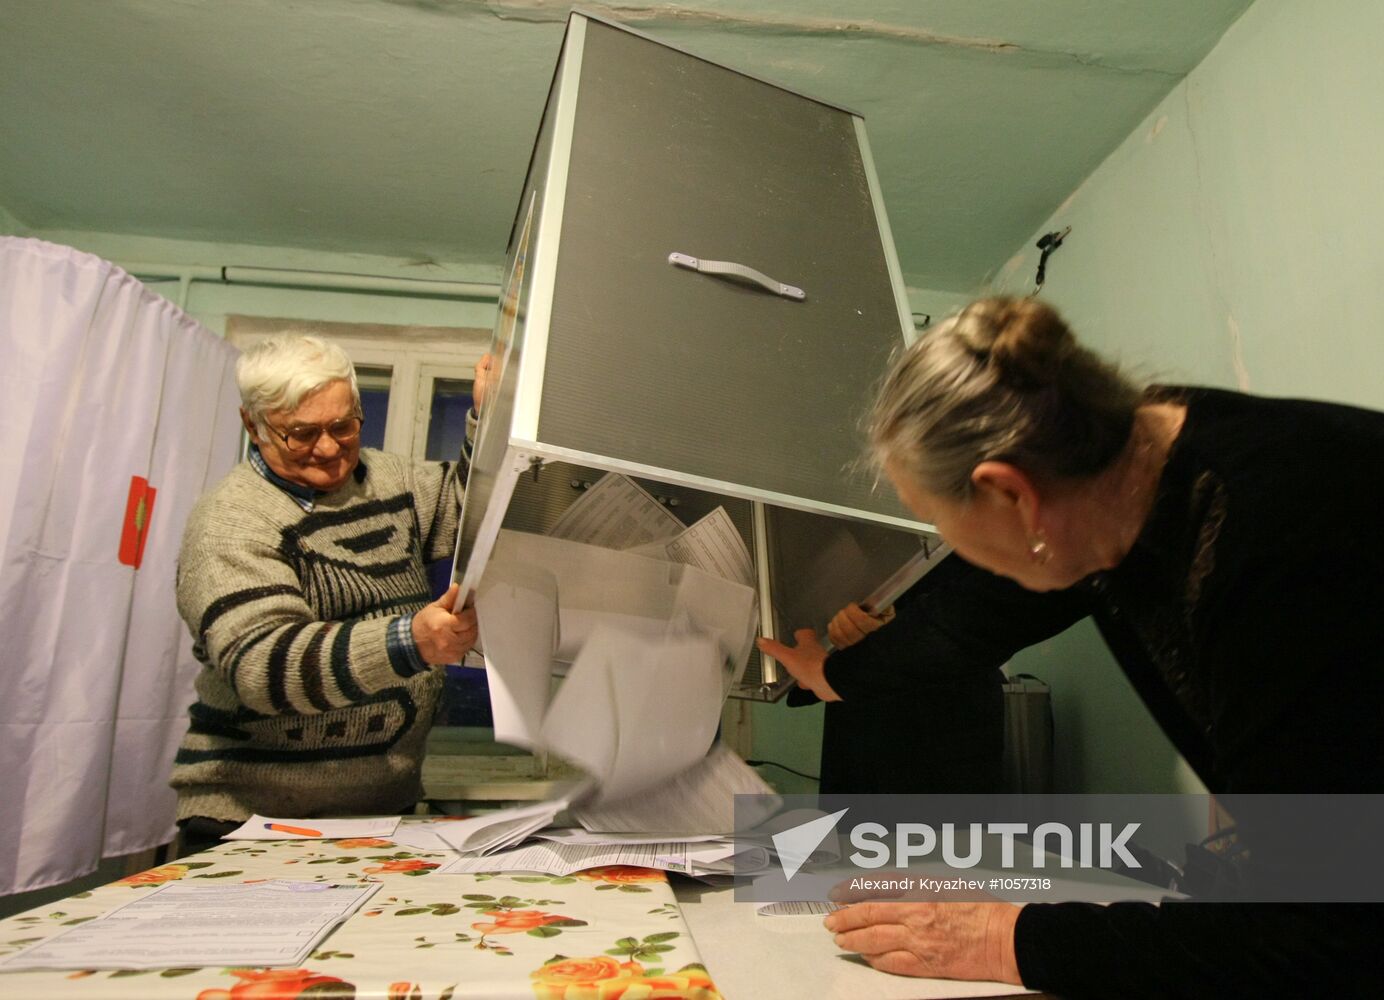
(754,957)
(616,933)
(602,934)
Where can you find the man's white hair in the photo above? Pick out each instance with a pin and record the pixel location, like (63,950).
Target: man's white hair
(276,374)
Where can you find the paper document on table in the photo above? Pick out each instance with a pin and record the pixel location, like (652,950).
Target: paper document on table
(566,859)
(506,827)
(579,835)
(804,908)
(712,545)
(421,837)
(616,513)
(270,828)
(181,925)
(700,799)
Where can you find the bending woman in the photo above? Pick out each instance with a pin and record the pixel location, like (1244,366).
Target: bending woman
(1230,549)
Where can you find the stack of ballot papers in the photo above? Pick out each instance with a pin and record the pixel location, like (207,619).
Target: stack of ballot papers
(685,824)
(554,854)
(273,923)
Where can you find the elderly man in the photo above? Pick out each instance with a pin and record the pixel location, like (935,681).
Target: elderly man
(302,578)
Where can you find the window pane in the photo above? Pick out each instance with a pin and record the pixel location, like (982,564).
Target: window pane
(466,699)
(451,401)
(374,403)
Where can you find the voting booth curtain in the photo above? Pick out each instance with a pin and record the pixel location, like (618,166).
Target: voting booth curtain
(116,411)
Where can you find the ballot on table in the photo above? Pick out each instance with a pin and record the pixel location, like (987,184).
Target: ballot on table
(701,294)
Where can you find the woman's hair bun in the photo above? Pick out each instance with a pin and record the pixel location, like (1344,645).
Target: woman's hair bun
(1024,340)
(1003,380)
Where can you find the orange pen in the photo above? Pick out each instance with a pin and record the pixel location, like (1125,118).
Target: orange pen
(299,831)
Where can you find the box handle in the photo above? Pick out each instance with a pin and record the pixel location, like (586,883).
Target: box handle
(730,269)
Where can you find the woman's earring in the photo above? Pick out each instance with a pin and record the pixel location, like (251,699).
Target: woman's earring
(1038,548)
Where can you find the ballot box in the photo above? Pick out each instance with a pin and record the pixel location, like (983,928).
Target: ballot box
(701,294)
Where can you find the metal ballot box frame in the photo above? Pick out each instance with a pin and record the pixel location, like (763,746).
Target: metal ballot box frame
(701,293)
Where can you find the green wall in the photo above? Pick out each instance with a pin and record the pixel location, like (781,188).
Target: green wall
(10,226)
(1236,238)
(209,302)
(793,736)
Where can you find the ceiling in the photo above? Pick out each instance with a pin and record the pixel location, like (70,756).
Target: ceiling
(403,127)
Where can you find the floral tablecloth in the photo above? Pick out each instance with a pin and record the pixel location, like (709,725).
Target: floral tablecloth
(610,933)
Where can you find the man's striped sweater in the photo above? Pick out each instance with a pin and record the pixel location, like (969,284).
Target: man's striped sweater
(312,700)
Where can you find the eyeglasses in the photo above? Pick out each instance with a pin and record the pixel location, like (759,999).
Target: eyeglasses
(303,437)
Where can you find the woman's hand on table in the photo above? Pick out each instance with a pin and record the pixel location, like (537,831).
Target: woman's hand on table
(950,940)
(806,662)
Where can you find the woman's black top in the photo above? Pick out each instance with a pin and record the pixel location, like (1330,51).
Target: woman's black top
(1249,617)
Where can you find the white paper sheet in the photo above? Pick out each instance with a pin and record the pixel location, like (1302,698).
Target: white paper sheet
(504,828)
(517,609)
(564,859)
(639,594)
(702,799)
(805,908)
(421,837)
(712,545)
(274,923)
(667,710)
(633,712)
(270,828)
(577,835)
(616,513)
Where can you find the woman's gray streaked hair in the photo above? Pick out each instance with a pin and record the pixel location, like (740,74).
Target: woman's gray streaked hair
(1004,379)
(277,373)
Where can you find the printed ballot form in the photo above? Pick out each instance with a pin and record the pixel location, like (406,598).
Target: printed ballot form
(616,513)
(262,924)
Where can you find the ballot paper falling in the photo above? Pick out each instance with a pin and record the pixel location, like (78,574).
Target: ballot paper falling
(700,799)
(274,923)
(545,601)
(634,712)
(652,623)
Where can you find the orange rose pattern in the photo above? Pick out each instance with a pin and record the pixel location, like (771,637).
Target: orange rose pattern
(517,921)
(621,875)
(155,876)
(404,991)
(603,978)
(281,984)
(412,866)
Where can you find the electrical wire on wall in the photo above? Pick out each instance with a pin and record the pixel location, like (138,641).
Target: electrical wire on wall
(1047,243)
